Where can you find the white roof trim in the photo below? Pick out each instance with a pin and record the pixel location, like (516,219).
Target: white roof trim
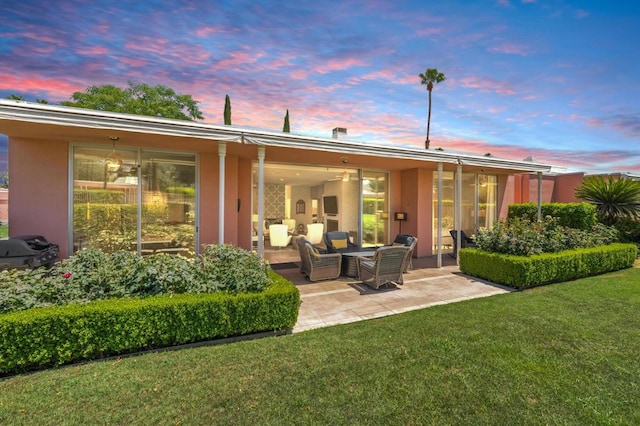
(87,118)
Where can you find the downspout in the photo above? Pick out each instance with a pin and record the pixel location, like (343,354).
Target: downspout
(539,196)
(458,211)
(222,153)
(261,155)
(439,215)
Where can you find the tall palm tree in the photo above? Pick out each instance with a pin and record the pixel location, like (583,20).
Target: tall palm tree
(614,198)
(430,76)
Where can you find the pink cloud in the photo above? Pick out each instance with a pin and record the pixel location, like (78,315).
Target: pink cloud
(486,85)
(36,84)
(93,50)
(510,49)
(237,60)
(205,32)
(339,64)
(429,32)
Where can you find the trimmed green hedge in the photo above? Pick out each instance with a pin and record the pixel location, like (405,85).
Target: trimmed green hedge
(573,215)
(45,337)
(528,271)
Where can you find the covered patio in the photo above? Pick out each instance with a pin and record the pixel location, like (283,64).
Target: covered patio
(346,300)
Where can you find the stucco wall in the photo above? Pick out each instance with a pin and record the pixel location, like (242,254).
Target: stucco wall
(39,188)
(4,206)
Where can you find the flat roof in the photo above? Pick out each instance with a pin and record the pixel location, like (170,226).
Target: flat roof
(29,112)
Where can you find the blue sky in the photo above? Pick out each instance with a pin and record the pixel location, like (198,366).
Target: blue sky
(555,80)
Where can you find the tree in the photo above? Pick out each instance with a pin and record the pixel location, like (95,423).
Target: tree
(614,198)
(286,127)
(227,110)
(15,97)
(430,76)
(141,99)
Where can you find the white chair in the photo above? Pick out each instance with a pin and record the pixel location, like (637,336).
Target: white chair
(314,233)
(291,225)
(279,235)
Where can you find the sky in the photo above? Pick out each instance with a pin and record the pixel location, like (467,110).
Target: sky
(555,80)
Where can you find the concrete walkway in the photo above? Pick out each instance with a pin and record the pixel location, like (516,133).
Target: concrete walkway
(347,300)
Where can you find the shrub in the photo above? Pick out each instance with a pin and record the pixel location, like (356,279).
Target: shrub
(572,215)
(229,268)
(54,336)
(522,237)
(91,275)
(527,271)
(629,230)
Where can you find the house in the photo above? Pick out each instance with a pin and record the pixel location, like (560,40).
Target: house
(86,178)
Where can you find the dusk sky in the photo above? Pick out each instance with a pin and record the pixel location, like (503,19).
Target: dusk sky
(555,80)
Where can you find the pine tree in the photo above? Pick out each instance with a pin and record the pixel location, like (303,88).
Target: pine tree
(286,128)
(227,110)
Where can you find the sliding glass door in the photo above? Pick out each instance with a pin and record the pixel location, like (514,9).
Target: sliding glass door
(134,200)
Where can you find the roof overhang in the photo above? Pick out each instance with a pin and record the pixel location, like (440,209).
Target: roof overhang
(26,112)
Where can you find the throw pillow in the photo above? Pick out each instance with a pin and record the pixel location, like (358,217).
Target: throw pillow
(339,244)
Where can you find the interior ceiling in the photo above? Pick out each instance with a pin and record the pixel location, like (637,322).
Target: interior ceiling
(290,174)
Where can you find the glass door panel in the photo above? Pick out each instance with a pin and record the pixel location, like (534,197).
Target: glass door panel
(375,209)
(168,203)
(105,206)
(448,211)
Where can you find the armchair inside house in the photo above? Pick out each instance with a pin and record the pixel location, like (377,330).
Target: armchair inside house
(407,241)
(465,241)
(386,266)
(314,233)
(315,265)
(279,235)
(291,225)
(339,242)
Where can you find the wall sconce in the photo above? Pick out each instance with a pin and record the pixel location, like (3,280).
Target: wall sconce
(400,217)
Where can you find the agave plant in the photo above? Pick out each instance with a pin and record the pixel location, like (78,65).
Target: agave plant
(614,198)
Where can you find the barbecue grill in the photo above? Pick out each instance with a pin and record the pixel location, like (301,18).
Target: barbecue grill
(27,251)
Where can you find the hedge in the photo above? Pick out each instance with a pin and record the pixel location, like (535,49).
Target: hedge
(527,271)
(573,215)
(53,336)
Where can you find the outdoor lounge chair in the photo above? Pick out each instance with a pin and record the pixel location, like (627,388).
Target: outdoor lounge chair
(315,265)
(386,266)
(339,242)
(464,241)
(407,241)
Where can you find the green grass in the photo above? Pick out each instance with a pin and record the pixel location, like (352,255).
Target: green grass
(4,231)
(560,354)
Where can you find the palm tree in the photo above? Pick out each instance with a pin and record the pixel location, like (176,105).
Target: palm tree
(614,198)
(430,76)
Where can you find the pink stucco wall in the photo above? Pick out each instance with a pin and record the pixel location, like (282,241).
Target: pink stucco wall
(4,205)
(39,187)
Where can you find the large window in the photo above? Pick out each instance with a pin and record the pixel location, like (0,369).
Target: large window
(136,200)
(478,208)
(375,209)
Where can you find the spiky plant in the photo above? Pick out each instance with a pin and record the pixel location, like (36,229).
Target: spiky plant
(614,198)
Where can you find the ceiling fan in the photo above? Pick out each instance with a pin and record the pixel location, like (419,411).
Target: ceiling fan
(345,176)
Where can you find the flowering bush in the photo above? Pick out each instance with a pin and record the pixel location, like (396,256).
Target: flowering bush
(522,237)
(91,274)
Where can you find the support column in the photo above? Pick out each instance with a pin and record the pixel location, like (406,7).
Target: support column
(458,211)
(261,156)
(222,153)
(539,196)
(439,239)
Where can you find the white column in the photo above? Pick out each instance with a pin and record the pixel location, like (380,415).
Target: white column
(261,155)
(539,196)
(222,153)
(458,211)
(439,240)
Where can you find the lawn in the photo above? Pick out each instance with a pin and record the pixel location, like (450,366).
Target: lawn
(4,231)
(558,354)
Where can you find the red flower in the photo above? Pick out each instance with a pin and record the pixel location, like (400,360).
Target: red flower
(67,275)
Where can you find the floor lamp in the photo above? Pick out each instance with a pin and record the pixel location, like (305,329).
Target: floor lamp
(400,217)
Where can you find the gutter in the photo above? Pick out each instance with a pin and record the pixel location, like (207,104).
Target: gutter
(28,112)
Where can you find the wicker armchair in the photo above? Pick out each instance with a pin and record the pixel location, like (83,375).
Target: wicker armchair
(317,266)
(386,266)
(408,241)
